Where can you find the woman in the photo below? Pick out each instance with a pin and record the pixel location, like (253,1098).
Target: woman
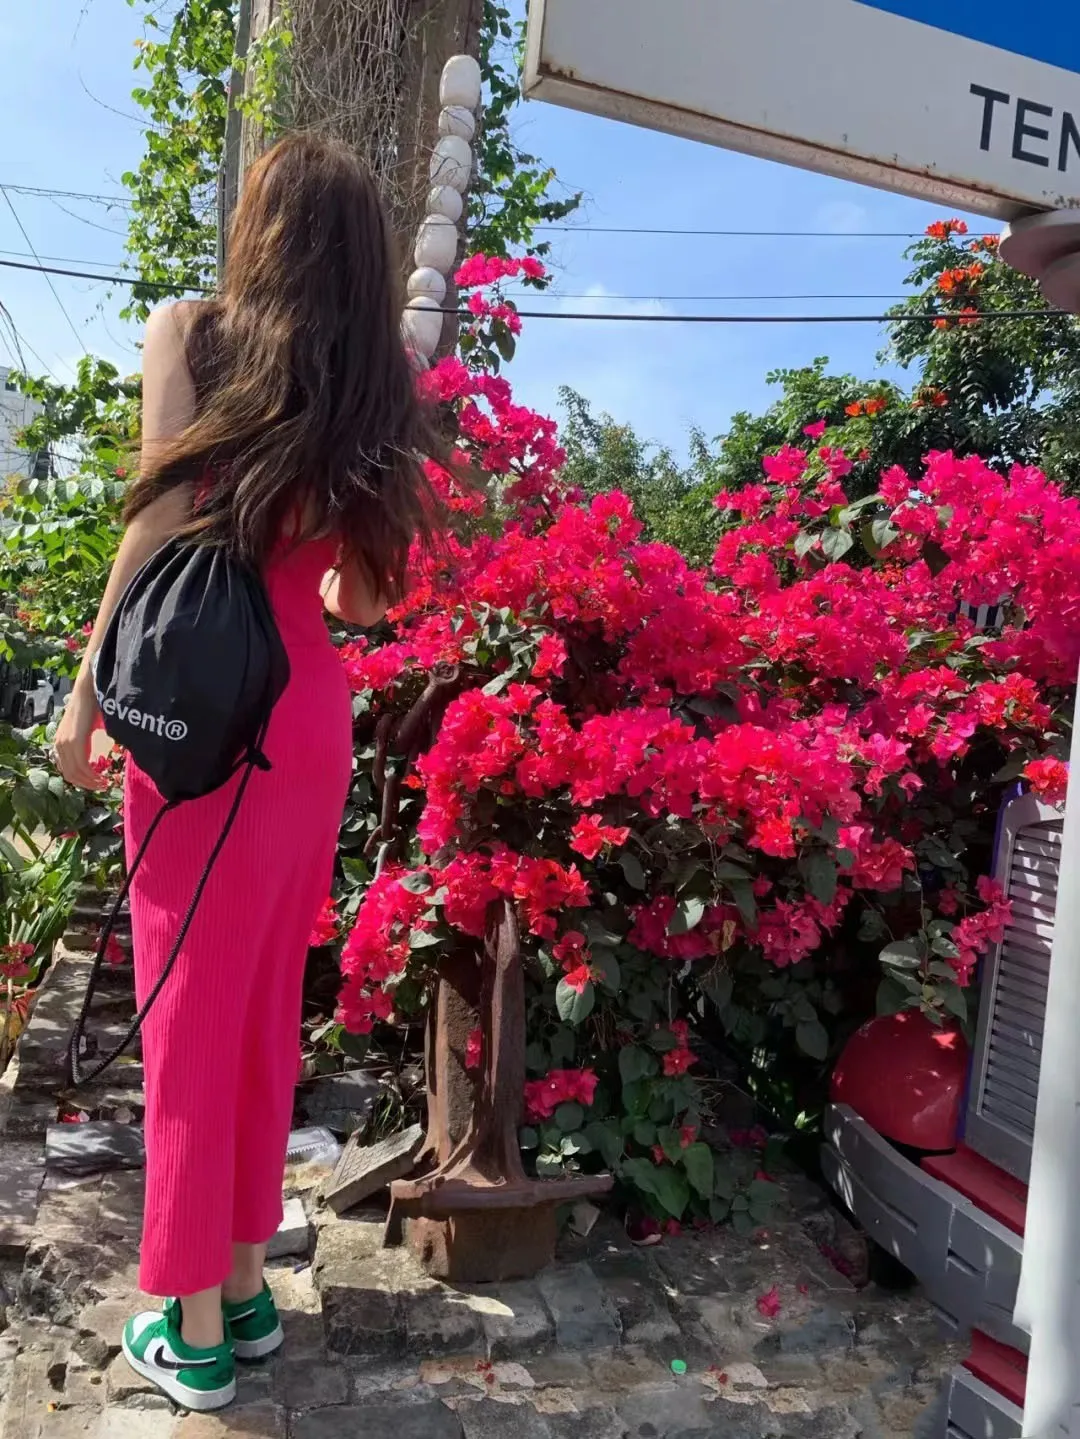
(279,420)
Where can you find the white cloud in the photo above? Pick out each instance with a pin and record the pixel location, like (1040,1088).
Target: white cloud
(599,300)
(841,217)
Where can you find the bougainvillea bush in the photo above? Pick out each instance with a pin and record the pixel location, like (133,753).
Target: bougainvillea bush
(728,796)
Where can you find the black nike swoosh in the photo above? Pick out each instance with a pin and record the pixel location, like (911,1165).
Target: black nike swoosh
(159,1361)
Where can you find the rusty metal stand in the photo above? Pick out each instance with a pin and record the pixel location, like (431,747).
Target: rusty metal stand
(472,1215)
(476,1217)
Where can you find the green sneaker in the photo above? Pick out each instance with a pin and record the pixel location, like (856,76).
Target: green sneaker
(255,1327)
(198,1379)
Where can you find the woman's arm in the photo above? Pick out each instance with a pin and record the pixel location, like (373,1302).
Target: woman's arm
(347,596)
(168,406)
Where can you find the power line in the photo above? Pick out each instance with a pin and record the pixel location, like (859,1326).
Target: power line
(924,318)
(21,343)
(592,295)
(623,318)
(126,200)
(44,271)
(50,193)
(104,279)
(739,234)
(540,294)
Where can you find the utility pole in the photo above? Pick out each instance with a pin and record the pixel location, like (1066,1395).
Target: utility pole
(366,72)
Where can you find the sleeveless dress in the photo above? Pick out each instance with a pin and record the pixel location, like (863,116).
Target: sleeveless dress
(221,1045)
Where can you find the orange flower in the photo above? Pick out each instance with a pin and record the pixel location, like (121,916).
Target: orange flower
(941,324)
(876,405)
(854,410)
(943,229)
(969,317)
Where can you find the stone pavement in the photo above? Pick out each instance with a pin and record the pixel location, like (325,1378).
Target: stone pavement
(776,1342)
(375,1348)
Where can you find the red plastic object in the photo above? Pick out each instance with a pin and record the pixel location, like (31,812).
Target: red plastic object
(1001,1195)
(1004,1369)
(906,1078)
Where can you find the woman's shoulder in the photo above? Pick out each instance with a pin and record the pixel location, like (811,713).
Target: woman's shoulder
(172,324)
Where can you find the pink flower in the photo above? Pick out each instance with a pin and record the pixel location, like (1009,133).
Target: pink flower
(559,1086)
(1049,778)
(678,1061)
(13,960)
(816,430)
(768,1305)
(325,930)
(474,1049)
(589,836)
(579,977)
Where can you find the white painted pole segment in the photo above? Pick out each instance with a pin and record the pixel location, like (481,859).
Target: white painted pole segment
(435,255)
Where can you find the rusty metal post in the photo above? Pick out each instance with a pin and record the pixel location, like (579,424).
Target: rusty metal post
(476,1217)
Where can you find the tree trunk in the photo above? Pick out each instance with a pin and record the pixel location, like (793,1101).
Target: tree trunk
(367,72)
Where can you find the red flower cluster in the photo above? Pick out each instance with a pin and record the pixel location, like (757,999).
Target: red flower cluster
(974,935)
(945,229)
(559,1086)
(873,406)
(377,951)
(14,960)
(1049,778)
(325,929)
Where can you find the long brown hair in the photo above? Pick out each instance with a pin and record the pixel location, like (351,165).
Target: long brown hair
(306,407)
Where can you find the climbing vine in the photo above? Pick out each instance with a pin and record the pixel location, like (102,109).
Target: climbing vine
(172,236)
(514,192)
(187,56)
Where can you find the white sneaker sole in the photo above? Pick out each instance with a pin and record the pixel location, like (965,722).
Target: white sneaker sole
(252,1349)
(197,1400)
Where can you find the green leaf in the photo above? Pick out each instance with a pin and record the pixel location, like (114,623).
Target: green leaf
(698,1162)
(635,1063)
(423,939)
(667,1136)
(719,1209)
(664,1184)
(418,883)
(644,1133)
(632,870)
(569,1117)
(354,1045)
(955,1000)
(528,1137)
(743,895)
(902,954)
(574,1007)
(718,985)
(835,544)
(606,1140)
(687,916)
(820,874)
(805,541)
(883,533)
(763,1194)
(606,967)
(813,1038)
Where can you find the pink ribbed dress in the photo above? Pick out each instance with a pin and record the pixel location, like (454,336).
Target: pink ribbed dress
(221,1044)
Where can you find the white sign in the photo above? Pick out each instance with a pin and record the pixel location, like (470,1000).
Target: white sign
(979,111)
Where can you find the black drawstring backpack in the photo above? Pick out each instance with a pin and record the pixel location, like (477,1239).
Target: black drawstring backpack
(187,677)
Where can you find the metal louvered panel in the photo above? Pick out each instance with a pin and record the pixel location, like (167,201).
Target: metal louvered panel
(1005,1074)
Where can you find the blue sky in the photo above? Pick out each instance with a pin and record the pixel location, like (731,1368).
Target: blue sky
(68,122)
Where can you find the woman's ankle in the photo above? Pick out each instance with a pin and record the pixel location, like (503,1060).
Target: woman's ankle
(201,1325)
(242,1290)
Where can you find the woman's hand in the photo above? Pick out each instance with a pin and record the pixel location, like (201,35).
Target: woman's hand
(74,737)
